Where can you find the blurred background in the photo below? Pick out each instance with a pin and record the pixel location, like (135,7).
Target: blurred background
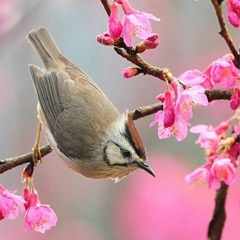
(139,207)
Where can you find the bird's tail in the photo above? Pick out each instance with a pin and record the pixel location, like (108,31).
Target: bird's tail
(46,48)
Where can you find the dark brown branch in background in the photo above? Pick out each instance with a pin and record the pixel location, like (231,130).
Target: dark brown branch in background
(219,216)
(225,33)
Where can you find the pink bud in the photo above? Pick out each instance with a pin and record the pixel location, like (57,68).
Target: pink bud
(235,99)
(130,72)
(105,39)
(149,43)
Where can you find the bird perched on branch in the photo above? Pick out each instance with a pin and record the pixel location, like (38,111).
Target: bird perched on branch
(80,122)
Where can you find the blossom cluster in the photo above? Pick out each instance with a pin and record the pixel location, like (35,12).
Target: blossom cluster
(38,216)
(221,150)
(221,73)
(133,23)
(178,103)
(189,91)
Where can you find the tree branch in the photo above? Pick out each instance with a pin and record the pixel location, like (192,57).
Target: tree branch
(146,67)
(225,33)
(10,163)
(106,6)
(219,215)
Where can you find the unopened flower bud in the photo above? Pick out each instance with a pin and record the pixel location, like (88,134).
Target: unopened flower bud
(27,172)
(130,72)
(149,43)
(235,99)
(105,39)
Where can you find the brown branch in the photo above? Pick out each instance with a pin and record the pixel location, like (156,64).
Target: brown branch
(225,33)
(106,6)
(219,215)
(10,163)
(212,94)
(146,67)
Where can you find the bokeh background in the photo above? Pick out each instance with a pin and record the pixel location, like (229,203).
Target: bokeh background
(139,207)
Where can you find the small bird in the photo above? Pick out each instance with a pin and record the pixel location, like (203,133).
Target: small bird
(80,122)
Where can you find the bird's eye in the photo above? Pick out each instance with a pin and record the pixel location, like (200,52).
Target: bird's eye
(126,153)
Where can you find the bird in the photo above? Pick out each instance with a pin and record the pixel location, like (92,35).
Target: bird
(81,124)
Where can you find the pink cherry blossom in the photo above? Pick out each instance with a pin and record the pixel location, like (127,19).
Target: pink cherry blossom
(208,138)
(222,151)
(39,217)
(192,78)
(10,204)
(135,23)
(114,23)
(179,129)
(233,12)
(201,174)
(177,109)
(188,98)
(224,72)
(224,170)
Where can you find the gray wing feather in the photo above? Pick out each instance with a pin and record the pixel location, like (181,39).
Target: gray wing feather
(47,88)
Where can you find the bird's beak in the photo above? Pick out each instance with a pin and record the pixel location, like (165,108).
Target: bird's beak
(145,167)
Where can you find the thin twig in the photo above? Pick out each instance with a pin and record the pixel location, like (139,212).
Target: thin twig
(219,215)
(225,33)
(106,6)
(146,67)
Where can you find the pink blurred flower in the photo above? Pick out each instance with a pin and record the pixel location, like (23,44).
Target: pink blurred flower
(10,204)
(224,170)
(233,12)
(114,23)
(135,23)
(192,77)
(208,138)
(39,217)
(200,174)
